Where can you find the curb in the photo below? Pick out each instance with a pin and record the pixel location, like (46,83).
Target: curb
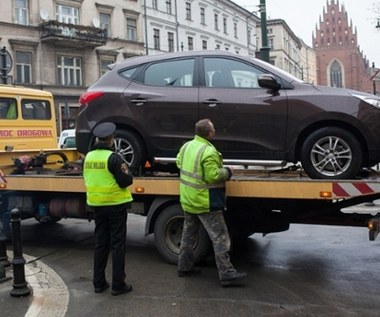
(50,296)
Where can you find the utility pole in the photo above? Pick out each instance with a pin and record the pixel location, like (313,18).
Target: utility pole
(264,32)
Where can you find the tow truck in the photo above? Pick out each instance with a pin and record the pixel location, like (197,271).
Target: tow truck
(47,184)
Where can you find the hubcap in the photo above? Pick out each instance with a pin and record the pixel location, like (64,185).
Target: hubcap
(331,156)
(125,150)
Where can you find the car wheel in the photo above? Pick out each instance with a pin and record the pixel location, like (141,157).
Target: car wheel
(168,232)
(331,153)
(130,147)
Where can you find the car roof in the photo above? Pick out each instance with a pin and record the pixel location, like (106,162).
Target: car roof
(137,60)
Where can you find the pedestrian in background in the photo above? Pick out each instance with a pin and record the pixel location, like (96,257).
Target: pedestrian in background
(203,199)
(106,178)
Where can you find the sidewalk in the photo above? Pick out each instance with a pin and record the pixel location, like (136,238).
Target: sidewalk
(49,295)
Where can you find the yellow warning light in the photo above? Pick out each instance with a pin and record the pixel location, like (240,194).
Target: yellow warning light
(372,225)
(139,189)
(325,194)
(3,185)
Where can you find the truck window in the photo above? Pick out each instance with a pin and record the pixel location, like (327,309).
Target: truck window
(8,108)
(35,110)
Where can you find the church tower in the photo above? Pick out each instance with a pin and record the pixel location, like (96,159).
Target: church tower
(340,63)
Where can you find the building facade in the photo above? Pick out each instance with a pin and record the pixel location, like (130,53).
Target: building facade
(340,62)
(288,51)
(180,25)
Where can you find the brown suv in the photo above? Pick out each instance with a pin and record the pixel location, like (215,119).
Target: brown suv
(260,113)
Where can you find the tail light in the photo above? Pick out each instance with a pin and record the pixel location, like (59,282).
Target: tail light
(89,96)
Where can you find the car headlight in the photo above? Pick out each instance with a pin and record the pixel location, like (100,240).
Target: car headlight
(372,100)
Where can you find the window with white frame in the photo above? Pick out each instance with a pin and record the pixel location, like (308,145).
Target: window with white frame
(21,11)
(69,71)
(190,43)
(203,16)
(225,25)
(171,41)
(104,62)
(23,67)
(105,22)
(131,29)
(188,11)
(216,21)
(235,30)
(154,4)
(270,43)
(204,44)
(156,39)
(67,14)
(169,6)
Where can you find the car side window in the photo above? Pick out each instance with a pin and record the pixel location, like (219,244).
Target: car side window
(229,73)
(176,73)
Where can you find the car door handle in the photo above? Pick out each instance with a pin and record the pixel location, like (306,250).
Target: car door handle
(211,102)
(138,102)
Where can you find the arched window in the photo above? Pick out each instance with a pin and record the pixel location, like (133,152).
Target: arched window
(336,75)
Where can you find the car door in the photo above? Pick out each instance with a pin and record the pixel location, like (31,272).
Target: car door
(164,101)
(250,121)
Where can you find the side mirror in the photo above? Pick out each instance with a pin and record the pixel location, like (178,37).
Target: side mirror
(268,81)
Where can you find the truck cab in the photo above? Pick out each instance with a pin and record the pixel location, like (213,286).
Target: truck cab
(27,119)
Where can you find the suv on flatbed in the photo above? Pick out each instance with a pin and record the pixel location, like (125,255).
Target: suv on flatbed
(260,113)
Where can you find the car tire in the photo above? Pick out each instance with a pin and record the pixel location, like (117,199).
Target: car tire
(168,232)
(331,153)
(130,147)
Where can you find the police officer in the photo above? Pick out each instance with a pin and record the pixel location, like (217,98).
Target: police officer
(203,199)
(107,178)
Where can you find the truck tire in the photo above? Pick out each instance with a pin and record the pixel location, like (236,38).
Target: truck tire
(167,236)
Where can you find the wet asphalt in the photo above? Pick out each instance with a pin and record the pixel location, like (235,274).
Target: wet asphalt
(307,271)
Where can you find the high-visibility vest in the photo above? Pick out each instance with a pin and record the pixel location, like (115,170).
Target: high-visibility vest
(101,186)
(196,194)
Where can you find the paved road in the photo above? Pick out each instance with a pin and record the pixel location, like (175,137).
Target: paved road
(306,271)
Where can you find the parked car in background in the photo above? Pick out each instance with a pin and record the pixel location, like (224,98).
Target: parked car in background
(260,113)
(67,139)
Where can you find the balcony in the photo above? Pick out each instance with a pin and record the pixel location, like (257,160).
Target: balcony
(71,35)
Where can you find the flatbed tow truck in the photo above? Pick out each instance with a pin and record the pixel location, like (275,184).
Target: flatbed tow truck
(259,201)
(46,183)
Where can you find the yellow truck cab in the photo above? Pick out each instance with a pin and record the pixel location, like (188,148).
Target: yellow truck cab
(27,119)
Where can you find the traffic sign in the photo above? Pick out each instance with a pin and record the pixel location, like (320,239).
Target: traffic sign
(375,74)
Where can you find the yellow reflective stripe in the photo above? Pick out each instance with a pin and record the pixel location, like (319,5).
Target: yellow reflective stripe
(186,173)
(194,174)
(103,189)
(201,186)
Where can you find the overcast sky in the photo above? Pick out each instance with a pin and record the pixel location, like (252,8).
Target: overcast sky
(302,16)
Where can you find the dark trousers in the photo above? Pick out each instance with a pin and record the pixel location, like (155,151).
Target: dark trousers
(110,235)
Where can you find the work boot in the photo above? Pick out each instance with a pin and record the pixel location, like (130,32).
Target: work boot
(125,289)
(102,288)
(194,270)
(230,278)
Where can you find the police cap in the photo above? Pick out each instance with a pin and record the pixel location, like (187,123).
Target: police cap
(104,130)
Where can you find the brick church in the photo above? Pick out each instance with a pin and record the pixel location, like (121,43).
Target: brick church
(340,63)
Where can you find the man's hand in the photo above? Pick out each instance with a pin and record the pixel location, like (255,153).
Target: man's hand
(124,168)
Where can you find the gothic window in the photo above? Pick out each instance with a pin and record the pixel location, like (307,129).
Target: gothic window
(336,78)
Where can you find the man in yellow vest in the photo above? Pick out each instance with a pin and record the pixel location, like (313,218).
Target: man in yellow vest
(203,199)
(107,178)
